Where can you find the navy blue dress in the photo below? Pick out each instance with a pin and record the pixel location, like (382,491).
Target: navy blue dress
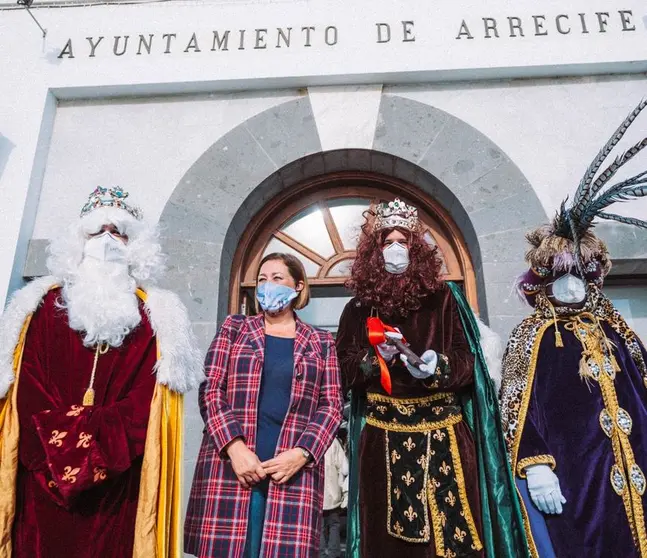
(273,403)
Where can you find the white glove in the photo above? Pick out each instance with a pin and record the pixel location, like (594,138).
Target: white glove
(389,351)
(425,370)
(544,489)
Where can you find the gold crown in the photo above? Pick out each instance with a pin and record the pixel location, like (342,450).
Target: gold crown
(396,213)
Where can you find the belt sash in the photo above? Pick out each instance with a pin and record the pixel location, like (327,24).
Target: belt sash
(425,483)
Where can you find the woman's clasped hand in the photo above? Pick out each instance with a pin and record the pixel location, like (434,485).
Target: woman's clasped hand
(250,470)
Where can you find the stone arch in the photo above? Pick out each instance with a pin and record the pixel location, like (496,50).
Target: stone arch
(480,187)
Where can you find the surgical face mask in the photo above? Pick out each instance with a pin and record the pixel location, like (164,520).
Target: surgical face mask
(569,289)
(106,248)
(274,297)
(396,258)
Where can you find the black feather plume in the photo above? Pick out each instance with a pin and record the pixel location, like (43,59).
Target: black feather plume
(583,195)
(625,220)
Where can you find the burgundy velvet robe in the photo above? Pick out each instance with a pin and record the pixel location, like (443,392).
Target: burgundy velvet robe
(79,468)
(436,325)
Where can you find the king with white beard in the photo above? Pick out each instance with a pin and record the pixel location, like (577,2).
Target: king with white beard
(94,360)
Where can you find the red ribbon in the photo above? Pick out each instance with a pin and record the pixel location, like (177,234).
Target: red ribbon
(376,335)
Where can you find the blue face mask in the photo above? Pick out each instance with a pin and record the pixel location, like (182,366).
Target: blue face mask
(273,297)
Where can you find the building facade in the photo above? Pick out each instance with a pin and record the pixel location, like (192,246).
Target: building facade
(245,126)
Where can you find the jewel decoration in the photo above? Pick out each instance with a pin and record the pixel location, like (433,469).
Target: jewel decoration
(623,420)
(396,214)
(606,422)
(109,197)
(594,368)
(608,368)
(617,480)
(637,478)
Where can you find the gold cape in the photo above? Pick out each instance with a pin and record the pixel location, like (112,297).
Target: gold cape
(157,526)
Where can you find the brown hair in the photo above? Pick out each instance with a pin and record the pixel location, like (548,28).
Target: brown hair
(296,271)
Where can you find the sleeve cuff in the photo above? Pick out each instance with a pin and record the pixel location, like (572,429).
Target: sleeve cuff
(534,460)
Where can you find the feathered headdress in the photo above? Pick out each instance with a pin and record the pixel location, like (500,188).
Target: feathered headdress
(569,240)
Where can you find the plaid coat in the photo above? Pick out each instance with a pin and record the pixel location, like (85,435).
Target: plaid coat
(216,521)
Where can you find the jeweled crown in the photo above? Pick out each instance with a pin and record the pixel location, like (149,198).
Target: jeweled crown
(396,213)
(109,197)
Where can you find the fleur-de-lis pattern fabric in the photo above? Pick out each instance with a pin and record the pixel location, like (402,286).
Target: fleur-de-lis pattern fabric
(72,457)
(426,490)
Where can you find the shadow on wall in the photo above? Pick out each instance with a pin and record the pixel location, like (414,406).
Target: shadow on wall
(6,147)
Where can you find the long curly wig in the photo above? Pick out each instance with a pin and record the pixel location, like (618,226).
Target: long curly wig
(393,294)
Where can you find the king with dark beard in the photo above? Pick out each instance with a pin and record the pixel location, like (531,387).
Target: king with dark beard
(428,467)
(94,360)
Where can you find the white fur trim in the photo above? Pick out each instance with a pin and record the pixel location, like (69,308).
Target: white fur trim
(492,351)
(23,303)
(180,364)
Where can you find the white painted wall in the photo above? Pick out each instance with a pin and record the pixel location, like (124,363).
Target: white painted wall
(145,146)
(551,129)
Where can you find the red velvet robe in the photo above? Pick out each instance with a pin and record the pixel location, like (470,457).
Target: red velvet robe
(79,470)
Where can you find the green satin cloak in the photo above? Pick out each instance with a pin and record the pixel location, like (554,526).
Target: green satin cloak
(503,531)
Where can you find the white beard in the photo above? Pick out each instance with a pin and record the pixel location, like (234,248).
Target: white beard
(101,302)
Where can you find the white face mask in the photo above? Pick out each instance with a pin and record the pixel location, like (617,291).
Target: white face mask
(569,289)
(105,248)
(396,258)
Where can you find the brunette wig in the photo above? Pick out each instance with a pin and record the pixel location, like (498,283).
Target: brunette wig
(393,294)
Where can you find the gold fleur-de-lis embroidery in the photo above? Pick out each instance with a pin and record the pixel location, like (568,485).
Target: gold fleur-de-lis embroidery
(439,435)
(444,469)
(397,493)
(423,461)
(75,411)
(394,456)
(52,484)
(437,410)
(408,479)
(450,499)
(449,553)
(409,444)
(381,409)
(434,483)
(84,440)
(459,534)
(69,474)
(57,438)
(410,514)
(99,474)
(443,518)
(424,533)
(406,410)
(398,528)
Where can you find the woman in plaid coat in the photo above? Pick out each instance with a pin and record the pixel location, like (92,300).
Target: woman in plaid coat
(270,416)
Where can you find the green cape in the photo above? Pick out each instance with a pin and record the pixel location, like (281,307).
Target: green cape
(503,531)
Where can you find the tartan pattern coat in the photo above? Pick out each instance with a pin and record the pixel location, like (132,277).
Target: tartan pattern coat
(216,520)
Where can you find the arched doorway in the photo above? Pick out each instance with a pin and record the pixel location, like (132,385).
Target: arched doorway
(319,221)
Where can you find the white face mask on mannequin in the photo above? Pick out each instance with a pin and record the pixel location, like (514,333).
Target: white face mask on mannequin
(569,289)
(105,248)
(396,258)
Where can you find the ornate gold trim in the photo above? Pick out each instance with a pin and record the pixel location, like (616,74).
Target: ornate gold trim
(420,427)
(379,398)
(436,522)
(525,400)
(534,460)
(460,480)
